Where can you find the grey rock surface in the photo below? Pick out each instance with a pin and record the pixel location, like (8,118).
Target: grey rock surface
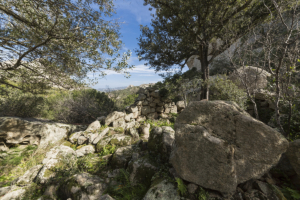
(162,191)
(85,150)
(218,145)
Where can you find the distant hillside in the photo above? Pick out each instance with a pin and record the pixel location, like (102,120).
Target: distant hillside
(122,88)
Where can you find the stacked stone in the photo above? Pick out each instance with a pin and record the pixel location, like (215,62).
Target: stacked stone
(151,105)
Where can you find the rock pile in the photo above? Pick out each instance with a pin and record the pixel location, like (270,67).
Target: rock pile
(15,131)
(150,104)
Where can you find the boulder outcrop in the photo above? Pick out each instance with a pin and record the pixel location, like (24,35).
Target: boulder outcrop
(255,78)
(218,146)
(14,130)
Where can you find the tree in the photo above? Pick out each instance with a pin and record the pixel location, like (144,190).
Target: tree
(275,47)
(57,42)
(196,27)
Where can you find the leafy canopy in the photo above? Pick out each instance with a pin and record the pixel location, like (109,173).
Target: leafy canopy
(47,42)
(182,28)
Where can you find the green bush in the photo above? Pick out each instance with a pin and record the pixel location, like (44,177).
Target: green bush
(78,106)
(129,100)
(223,89)
(126,190)
(20,104)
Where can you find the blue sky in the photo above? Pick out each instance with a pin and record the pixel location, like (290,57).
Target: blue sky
(132,13)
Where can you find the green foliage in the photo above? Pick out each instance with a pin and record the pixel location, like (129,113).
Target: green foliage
(33,192)
(22,104)
(123,98)
(129,100)
(78,106)
(18,161)
(291,194)
(126,191)
(223,89)
(91,163)
(171,87)
(203,195)
(119,130)
(108,149)
(55,43)
(181,186)
(178,30)
(159,123)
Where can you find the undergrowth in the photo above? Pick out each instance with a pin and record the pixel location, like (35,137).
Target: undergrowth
(126,191)
(181,187)
(159,123)
(202,195)
(108,149)
(18,161)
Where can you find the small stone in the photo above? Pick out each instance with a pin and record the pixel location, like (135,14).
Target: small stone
(85,150)
(94,126)
(192,188)
(81,140)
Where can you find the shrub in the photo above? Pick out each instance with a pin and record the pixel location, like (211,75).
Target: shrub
(129,100)
(81,106)
(223,89)
(126,191)
(20,104)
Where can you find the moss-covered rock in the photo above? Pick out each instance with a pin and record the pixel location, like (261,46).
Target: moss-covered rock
(141,171)
(119,130)
(161,140)
(54,159)
(82,186)
(122,156)
(118,140)
(74,137)
(29,176)
(67,143)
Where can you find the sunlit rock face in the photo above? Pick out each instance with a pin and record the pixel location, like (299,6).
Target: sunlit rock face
(218,145)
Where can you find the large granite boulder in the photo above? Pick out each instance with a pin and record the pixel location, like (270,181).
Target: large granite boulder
(14,130)
(218,146)
(254,77)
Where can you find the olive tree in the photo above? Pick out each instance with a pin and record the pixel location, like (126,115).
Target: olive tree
(47,42)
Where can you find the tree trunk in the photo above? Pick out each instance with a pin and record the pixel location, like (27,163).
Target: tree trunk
(278,121)
(289,120)
(205,74)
